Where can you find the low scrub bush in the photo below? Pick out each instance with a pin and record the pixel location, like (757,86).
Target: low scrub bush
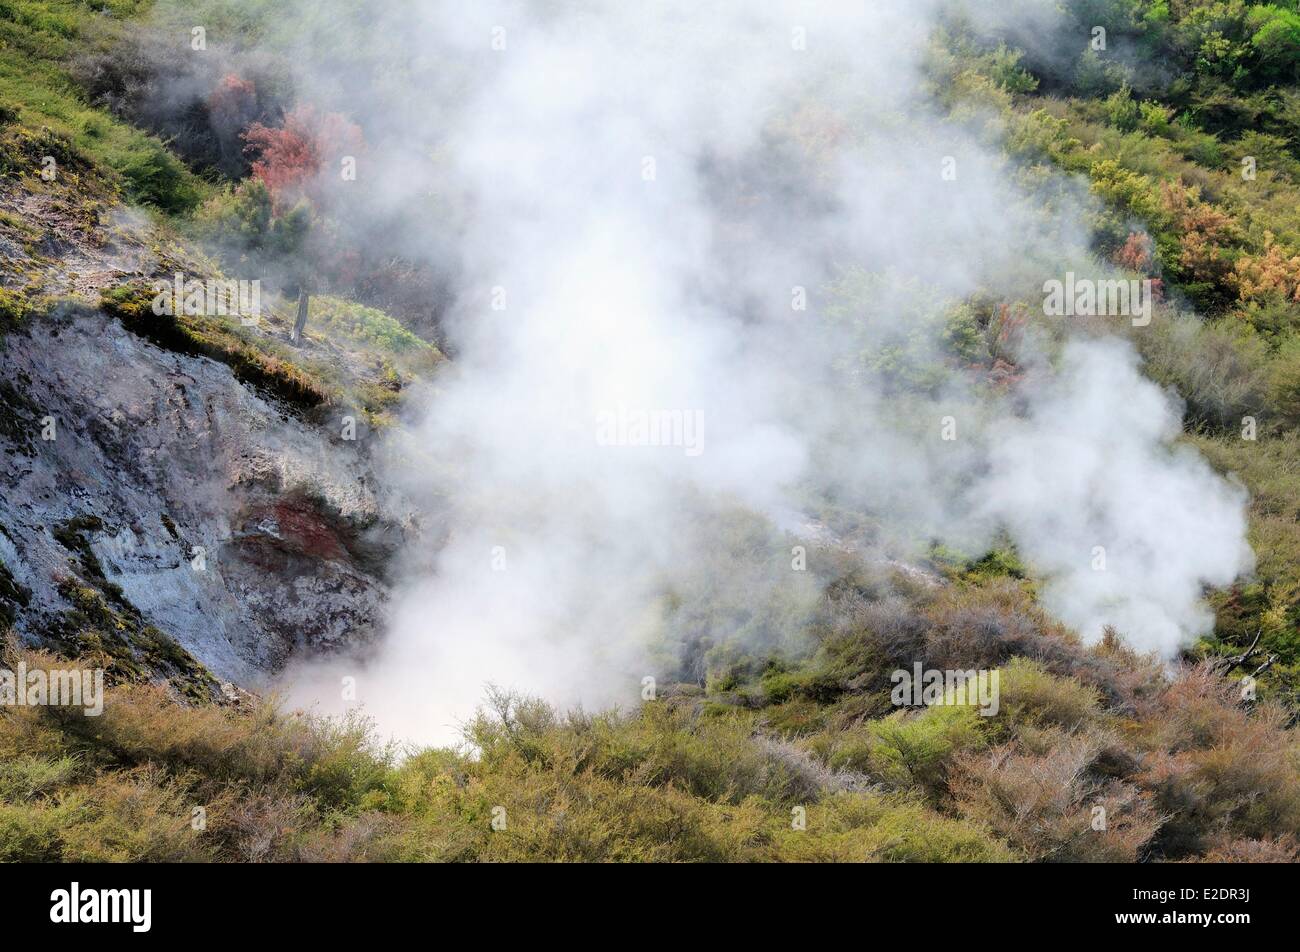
(1047,805)
(1187,772)
(1220,369)
(1217,769)
(910,750)
(1030,695)
(870,828)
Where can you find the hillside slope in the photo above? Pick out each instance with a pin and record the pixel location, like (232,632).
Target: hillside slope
(172,515)
(201,517)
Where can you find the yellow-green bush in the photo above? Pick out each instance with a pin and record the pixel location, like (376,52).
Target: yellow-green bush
(862,828)
(911,750)
(1028,694)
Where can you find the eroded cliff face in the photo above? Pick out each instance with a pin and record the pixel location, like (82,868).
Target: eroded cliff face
(143,489)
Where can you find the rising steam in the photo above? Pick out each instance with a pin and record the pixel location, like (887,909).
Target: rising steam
(630,200)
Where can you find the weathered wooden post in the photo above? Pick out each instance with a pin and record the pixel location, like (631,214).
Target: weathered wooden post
(304,299)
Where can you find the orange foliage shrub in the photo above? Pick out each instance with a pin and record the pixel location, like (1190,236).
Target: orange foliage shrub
(1205,231)
(290,159)
(1135,254)
(1258,277)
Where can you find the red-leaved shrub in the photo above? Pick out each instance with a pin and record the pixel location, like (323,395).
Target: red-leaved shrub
(290,159)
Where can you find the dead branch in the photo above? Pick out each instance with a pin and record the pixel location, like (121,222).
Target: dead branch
(1224,665)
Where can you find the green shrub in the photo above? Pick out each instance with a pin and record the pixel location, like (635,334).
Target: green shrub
(1003,65)
(1284,382)
(1029,695)
(14,309)
(366,325)
(912,749)
(156,177)
(1276,41)
(1221,369)
(25,778)
(30,832)
(1122,111)
(1096,75)
(1154,119)
(864,828)
(133,817)
(344,766)
(242,219)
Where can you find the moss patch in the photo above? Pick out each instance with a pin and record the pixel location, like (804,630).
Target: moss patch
(198,336)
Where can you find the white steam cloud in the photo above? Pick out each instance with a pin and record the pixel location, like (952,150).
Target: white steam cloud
(634,196)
